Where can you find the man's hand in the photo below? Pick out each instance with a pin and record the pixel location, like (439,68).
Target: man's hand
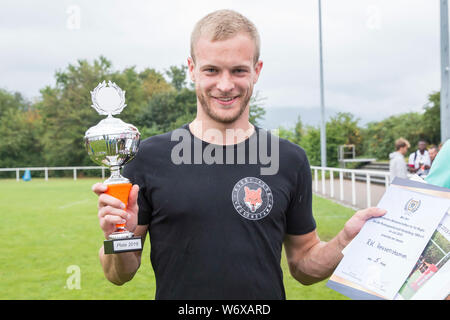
(311,260)
(355,223)
(111,211)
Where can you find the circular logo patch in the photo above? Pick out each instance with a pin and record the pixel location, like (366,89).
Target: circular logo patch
(252,198)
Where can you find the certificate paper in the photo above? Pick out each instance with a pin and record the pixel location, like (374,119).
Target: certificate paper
(381,257)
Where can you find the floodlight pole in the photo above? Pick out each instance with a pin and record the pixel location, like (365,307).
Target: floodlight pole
(323,135)
(445,109)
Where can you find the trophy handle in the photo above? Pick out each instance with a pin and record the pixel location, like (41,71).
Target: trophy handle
(121,192)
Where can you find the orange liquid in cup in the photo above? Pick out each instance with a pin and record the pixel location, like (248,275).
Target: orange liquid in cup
(121,192)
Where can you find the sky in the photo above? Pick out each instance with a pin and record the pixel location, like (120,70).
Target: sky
(380,57)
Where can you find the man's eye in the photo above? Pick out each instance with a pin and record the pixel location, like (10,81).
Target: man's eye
(210,70)
(240,71)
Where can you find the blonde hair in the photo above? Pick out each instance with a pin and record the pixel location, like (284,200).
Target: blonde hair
(400,143)
(223,25)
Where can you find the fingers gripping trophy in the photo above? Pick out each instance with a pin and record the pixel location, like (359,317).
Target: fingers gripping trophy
(112,143)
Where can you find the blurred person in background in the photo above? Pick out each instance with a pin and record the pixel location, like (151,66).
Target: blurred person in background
(397,164)
(419,161)
(433,151)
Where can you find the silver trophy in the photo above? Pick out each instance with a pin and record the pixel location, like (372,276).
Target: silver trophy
(112,143)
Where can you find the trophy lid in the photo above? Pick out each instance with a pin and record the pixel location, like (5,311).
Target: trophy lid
(108,99)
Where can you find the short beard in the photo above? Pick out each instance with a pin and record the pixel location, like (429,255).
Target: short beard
(225,120)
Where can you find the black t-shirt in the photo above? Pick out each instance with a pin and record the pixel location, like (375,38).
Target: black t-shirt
(216,229)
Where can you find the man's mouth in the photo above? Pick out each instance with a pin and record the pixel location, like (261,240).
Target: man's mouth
(225,100)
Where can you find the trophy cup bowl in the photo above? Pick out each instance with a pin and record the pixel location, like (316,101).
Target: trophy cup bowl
(113,143)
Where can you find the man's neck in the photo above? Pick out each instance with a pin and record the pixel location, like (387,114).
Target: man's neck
(215,132)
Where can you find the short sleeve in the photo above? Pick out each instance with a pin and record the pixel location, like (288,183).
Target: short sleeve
(299,217)
(132,172)
(427,160)
(411,158)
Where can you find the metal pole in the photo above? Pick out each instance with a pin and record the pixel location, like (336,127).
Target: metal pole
(323,149)
(445,108)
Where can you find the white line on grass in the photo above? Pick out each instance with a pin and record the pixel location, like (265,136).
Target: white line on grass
(73,204)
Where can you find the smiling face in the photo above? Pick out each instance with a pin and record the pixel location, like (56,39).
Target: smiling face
(224,73)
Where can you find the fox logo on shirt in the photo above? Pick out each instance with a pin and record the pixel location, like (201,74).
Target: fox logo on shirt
(253,198)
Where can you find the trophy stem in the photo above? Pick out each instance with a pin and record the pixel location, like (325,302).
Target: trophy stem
(120,191)
(116,177)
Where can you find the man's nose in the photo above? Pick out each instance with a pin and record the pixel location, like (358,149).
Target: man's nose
(225,82)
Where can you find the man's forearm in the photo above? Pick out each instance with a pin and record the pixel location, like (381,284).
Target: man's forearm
(319,261)
(119,268)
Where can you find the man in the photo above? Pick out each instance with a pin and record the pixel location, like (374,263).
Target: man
(217,229)
(397,164)
(419,161)
(433,151)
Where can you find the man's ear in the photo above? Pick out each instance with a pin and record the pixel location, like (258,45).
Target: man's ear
(258,67)
(191,67)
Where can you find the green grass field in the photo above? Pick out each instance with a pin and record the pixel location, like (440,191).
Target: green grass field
(50,226)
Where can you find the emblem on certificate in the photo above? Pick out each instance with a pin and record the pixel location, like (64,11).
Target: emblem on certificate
(412,206)
(113,143)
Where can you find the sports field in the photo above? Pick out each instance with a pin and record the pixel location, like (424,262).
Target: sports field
(51,236)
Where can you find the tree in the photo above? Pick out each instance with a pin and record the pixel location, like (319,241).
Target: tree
(310,142)
(166,110)
(379,137)
(432,118)
(177,76)
(20,144)
(11,101)
(342,129)
(20,131)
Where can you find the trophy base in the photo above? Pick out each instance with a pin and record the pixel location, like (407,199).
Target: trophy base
(120,245)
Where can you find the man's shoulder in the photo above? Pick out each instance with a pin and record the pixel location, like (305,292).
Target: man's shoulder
(152,151)
(156,141)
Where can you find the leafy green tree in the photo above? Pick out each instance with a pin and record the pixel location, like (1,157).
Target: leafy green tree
(379,137)
(341,129)
(177,76)
(432,118)
(11,101)
(20,130)
(166,108)
(20,145)
(310,142)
